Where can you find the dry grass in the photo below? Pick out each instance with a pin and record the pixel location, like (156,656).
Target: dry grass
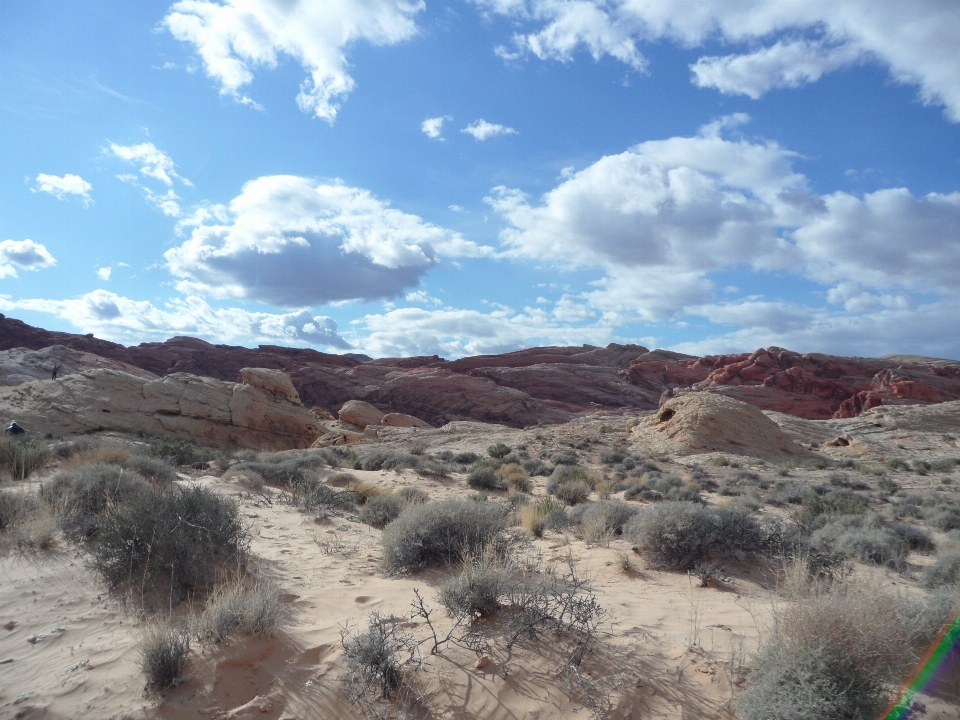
(163,654)
(515,477)
(239,608)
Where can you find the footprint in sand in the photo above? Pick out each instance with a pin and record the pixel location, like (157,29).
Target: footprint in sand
(363,599)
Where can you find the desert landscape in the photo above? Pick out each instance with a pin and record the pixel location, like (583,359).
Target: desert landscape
(554,533)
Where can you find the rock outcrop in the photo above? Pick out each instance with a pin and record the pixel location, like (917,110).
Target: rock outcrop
(360,413)
(402,420)
(20,365)
(260,414)
(700,422)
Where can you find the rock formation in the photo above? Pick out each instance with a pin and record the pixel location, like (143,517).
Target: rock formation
(262,413)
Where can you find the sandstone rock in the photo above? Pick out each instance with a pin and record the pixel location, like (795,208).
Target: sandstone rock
(360,413)
(402,420)
(699,422)
(271,381)
(321,413)
(20,365)
(205,410)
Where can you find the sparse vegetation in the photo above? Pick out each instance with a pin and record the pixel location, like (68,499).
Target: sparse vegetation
(440,532)
(662,487)
(239,608)
(88,490)
(381,510)
(153,468)
(601,520)
(477,589)
(179,451)
(485,478)
(164,650)
(22,458)
(499,451)
(944,572)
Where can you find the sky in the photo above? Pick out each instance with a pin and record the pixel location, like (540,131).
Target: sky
(395,177)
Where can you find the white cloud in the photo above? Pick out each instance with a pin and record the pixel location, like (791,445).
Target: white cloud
(433,127)
(235,36)
(782,65)
(121,319)
(60,187)
(482,130)
(153,162)
(422,296)
(104,273)
(455,333)
(916,41)
(660,218)
(293,241)
(165,203)
(456,208)
(23,254)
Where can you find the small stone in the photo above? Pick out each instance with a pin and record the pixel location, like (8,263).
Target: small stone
(34,639)
(10,625)
(482,663)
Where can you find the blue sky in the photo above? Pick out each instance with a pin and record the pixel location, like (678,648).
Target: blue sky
(400,178)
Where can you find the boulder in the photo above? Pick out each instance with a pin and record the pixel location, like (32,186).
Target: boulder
(402,420)
(274,382)
(208,411)
(700,422)
(360,413)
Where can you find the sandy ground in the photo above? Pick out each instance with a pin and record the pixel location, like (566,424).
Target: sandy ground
(668,649)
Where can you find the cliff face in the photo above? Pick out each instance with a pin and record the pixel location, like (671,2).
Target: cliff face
(543,384)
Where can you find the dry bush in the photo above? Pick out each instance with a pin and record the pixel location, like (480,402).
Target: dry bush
(163,654)
(21,458)
(179,451)
(681,534)
(239,608)
(601,520)
(836,650)
(361,492)
(514,477)
(16,507)
(662,487)
(944,572)
(372,663)
(342,479)
(864,539)
(477,589)
(183,536)
(381,510)
(88,490)
(413,495)
(440,532)
(485,478)
(388,460)
(152,468)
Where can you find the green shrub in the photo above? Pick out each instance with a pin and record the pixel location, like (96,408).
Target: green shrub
(184,536)
(602,519)
(21,458)
(179,451)
(897,464)
(855,538)
(440,532)
(567,457)
(681,534)
(475,590)
(838,502)
(485,478)
(612,457)
(499,451)
(665,487)
(381,510)
(888,486)
(536,466)
(572,492)
(388,460)
(465,458)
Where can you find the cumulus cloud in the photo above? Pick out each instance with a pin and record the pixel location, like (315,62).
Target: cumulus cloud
(122,319)
(915,41)
(104,273)
(455,333)
(23,254)
(60,187)
(164,202)
(782,65)
(234,37)
(660,218)
(153,162)
(433,127)
(294,241)
(483,130)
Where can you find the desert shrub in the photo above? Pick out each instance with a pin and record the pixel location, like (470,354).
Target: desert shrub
(361,492)
(498,451)
(476,589)
(152,468)
(381,510)
(945,519)
(239,608)
(816,464)
(179,451)
(413,495)
(90,489)
(434,468)
(921,467)
(388,460)
(371,657)
(342,479)
(944,572)
(944,465)
(465,458)
(680,534)
(182,535)
(897,464)
(485,478)
(567,457)
(915,537)
(536,466)
(663,487)
(838,502)
(16,507)
(570,491)
(323,498)
(602,519)
(515,477)
(834,653)
(440,532)
(163,654)
(864,540)
(786,493)
(21,458)
(612,457)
